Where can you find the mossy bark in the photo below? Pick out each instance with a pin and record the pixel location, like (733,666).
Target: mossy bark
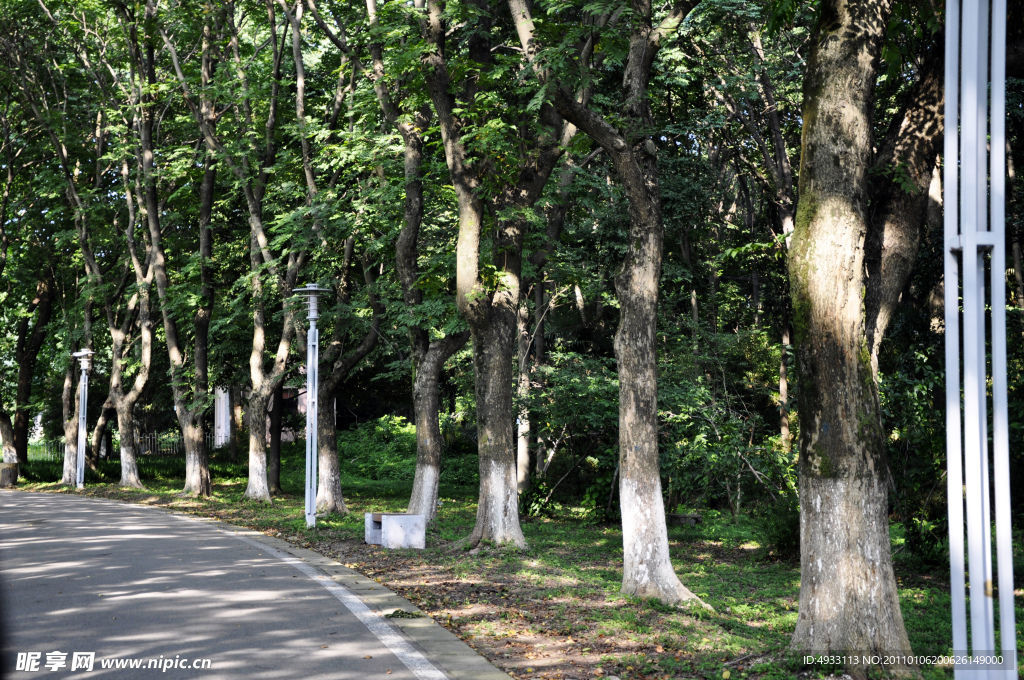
(853,246)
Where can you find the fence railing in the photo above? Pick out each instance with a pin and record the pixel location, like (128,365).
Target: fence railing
(47,450)
(146,444)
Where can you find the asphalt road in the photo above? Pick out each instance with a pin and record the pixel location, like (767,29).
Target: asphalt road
(128,582)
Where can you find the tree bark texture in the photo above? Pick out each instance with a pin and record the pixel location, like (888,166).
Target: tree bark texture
(498,505)
(101,429)
(523,393)
(330,499)
(426,407)
(854,243)
(274,452)
(257,488)
(69,409)
(126,426)
(10,454)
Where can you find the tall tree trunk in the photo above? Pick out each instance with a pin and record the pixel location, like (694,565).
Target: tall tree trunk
(647,567)
(197,459)
(428,357)
(335,368)
(69,410)
(523,393)
(129,464)
(100,430)
(426,406)
(274,452)
(257,488)
(237,422)
(329,497)
(26,353)
(489,310)
(10,455)
(787,443)
(497,518)
(189,399)
(848,265)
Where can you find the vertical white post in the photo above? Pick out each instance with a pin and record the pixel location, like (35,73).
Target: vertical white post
(974,187)
(312,361)
(311,291)
(83,405)
(221,417)
(1001,433)
(951,277)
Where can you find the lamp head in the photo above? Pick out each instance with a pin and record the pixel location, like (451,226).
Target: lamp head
(83,357)
(311,292)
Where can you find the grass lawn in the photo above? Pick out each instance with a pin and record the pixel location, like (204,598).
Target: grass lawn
(553,611)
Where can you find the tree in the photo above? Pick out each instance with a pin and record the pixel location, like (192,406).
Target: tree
(857,231)
(647,568)
(251,163)
(496,186)
(428,355)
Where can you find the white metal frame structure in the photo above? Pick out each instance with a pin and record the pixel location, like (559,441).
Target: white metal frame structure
(311,291)
(221,417)
(974,206)
(83,404)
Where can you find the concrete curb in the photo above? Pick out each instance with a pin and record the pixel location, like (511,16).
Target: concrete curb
(438,644)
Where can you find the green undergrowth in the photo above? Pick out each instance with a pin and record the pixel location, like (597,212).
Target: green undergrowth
(561,595)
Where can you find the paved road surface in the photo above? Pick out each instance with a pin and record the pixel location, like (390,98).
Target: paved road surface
(128,582)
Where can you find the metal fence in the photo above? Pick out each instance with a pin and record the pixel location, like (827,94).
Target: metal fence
(47,450)
(146,444)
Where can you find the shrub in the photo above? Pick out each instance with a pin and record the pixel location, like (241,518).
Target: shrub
(382,449)
(778,527)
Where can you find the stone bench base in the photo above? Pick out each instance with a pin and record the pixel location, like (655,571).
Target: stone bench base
(396,530)
(682,520)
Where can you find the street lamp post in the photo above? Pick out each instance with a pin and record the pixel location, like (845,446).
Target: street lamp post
(83,403)
(311,291)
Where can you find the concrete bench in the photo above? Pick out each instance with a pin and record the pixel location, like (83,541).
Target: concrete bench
(682,519)
(396,530)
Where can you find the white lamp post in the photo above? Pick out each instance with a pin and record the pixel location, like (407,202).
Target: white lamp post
(311,291)
(83,403)
(974,206)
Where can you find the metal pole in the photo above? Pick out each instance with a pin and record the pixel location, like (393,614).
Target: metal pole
(1000,429)
(83,404)
(83,391)
(311,291)
(974,193)
(312,385)
(951,275)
